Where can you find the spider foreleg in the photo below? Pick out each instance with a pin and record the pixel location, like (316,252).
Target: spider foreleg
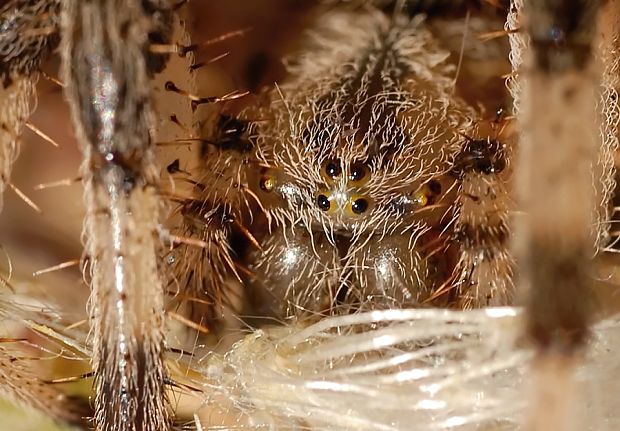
(484,269)
(202,267)
(105,68)
(29,33)
(214,218)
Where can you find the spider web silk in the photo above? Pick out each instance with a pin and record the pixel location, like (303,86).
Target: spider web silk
(412,369)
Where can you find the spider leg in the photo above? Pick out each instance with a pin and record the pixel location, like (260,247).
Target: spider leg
(21,381)
(106,61)
(211,218)
(20,384)
(556,241)
(563,148)
(204,271)
(608,49)
(484,269)
(29,34)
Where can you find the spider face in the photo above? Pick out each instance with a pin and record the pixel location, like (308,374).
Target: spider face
(358,156)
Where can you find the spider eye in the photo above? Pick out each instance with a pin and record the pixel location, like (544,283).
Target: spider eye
(323,202)
(332,169)
(267,183)
(359,171)
(428,193)
(359,206)
(420,198)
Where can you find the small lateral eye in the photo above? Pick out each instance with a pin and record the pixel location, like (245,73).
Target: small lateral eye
(358,172)
(428,193)
(420,198)
(332,169)
(267,183)
(323,202)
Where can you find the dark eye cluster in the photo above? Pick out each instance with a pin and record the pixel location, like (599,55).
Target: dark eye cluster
(358,175)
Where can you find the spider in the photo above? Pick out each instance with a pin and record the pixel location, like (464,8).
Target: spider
(369,185)
(370,177)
